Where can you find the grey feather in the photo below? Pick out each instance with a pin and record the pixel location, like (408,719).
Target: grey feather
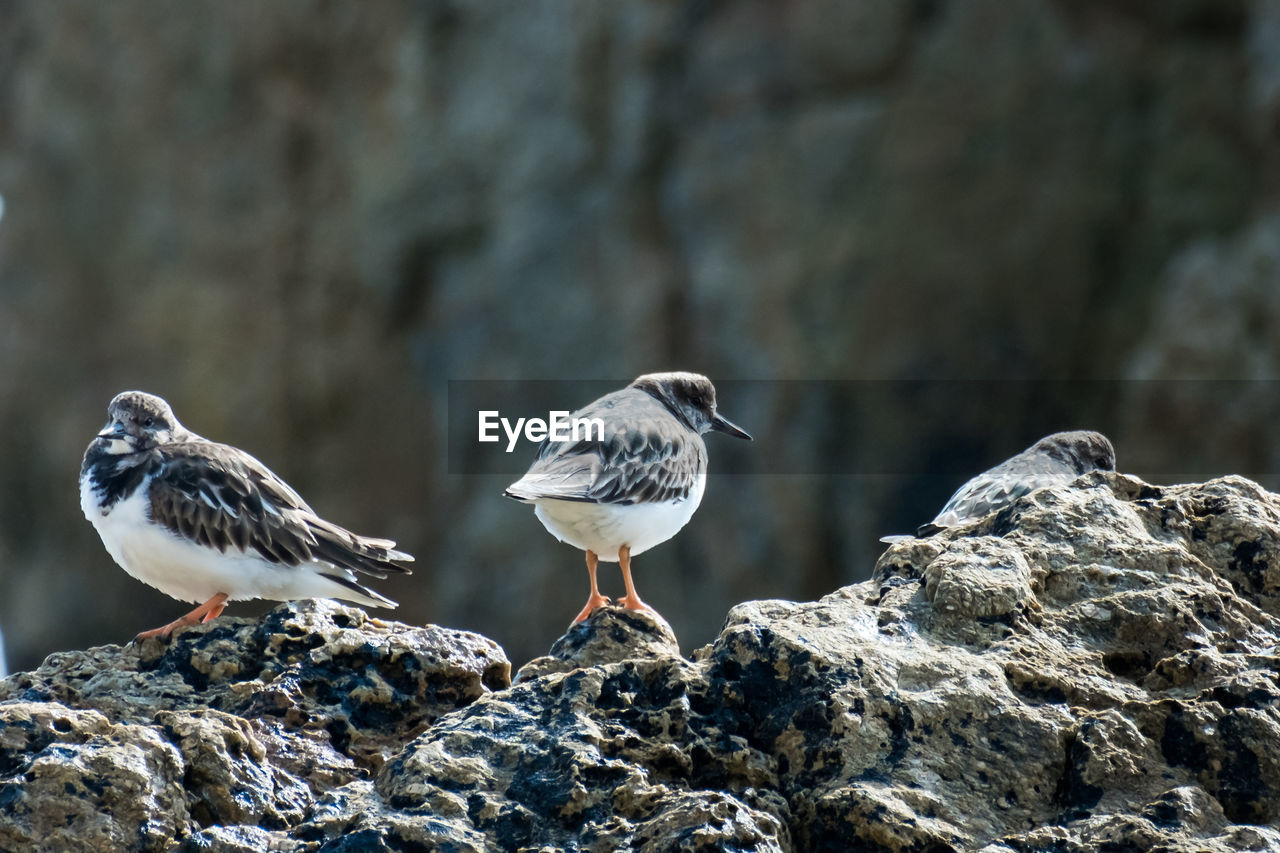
(651,452)
(1055,460)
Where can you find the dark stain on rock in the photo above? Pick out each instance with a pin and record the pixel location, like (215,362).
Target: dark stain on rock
(1241,784)
(1245,561)
(1179,745)
(1073,794)
(901,723)
(1164,812)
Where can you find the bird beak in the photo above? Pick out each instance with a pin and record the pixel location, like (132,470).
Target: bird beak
(112,430)
(721,424)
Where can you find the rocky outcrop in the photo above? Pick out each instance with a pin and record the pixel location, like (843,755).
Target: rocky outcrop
(1092,668)
(238,724)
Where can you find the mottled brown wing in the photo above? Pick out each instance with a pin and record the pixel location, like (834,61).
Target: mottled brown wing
(222,498)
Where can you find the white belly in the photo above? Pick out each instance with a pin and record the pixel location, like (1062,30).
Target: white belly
(189,572)
(605,528)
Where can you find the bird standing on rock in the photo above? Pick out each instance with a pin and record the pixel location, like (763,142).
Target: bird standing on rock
(1054,460)
(619,496)
(206,522)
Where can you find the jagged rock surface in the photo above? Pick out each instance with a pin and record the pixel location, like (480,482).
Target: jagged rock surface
(611,635)
(1093,668)
(241,723)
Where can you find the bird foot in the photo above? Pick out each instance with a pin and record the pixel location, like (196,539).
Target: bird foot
(594,603)
(633,602)
(211,609)
(164,631)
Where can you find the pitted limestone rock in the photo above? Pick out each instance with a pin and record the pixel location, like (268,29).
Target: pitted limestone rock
(608,635)
(978,578)
(241,723)
(74,780)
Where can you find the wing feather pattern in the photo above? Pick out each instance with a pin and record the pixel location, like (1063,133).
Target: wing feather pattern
(646,456)
(221,497)
(999,487)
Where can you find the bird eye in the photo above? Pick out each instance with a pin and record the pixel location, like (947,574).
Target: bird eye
(696,400)
(149,422)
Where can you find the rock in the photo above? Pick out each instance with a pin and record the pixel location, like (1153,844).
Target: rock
(236,727)
(987,579)
(877,717)
(1093,668)
(74,780)
(351,687)
(609,635)
(240,839)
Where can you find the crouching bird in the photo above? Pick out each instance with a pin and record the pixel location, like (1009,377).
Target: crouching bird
(206,522)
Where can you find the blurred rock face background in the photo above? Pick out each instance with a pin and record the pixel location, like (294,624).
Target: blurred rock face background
(299,220)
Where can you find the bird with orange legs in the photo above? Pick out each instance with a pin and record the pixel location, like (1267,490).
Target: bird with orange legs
(206,522)
(618,495)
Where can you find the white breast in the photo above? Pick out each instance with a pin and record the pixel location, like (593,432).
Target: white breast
(186,571)
(605,528)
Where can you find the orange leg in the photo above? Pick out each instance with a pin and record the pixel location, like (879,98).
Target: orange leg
(631,600)
(211,609)
(596,600)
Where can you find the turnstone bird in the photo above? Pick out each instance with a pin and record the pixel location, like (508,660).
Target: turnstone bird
(618,497)
(202,521)
(1054,460)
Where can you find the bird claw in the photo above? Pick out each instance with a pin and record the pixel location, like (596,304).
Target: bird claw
(593,604)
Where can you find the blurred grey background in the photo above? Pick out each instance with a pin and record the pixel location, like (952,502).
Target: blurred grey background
(298,221)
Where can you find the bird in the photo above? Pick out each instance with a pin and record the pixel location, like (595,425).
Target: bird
(619,494)
(206,522)
(1054,460)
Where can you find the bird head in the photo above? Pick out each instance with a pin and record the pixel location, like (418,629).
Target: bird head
(1085,450)
(692,398)
(137,422)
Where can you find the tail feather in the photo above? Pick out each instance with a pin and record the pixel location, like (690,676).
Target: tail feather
(924,531)
(365,595)
(346,550)
(399,556)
